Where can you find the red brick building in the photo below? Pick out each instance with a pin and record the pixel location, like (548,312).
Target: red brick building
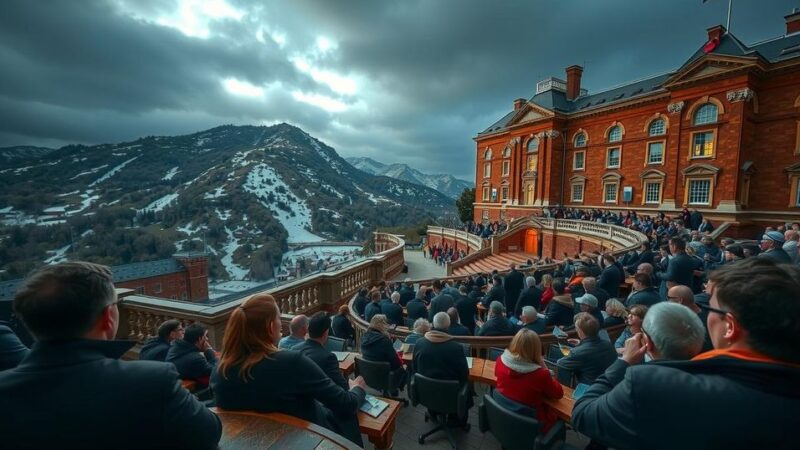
(182,277)
(720,134)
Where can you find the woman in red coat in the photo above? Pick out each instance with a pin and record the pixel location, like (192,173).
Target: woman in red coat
(523,377)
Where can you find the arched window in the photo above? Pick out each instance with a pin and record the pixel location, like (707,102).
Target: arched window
(615,134)
(533,145)
(487,155)
(507,152)
(580,140)
(705,114)
(657,127)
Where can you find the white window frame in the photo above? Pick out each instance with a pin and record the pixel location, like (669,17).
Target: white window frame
(486,193)
(533,148)
(608,157)
(646,193)
(713,134)
(575,141)
(575,160)
(649,154)
(606,185)
(662,128)
(707,118)
(504,193)
(532,158)
(580,189)
(487,170)
(611,137)
(506,168)
(708,195)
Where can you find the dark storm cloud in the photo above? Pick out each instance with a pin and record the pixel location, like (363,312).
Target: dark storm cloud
(431,74)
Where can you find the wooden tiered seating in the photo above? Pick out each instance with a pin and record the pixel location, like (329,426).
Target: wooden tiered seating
(499,262)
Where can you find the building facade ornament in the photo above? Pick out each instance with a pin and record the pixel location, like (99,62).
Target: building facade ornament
(541,134)
(552,133)
(740,95)
(675,108)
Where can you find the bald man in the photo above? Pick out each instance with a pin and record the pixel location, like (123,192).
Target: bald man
(298,328)
(683,295)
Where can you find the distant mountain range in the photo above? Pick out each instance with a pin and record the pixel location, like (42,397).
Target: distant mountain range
(246,191)
(444,183)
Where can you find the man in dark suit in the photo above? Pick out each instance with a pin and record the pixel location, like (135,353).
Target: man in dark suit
(374,306)
(530,319)
(416,309)
(437,356)
(441,302)
(611,276)
(497,324)
(496,294)
(681,266)
(361,301)
(393,311)
(72,391)
(589,285)
(592,355)
(12,350)
(643,292)
(644,255)
(513,284)
(193,356)
(467,309)
(314,348)
(156,348)
(772,247)
(407,292)
(456,328)
(530,296)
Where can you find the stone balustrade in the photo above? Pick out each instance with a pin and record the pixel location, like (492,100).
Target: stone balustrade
(141,315)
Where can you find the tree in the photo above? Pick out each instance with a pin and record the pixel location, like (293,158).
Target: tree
(465,204)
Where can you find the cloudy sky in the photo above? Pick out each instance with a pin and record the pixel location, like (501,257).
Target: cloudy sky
(408,81)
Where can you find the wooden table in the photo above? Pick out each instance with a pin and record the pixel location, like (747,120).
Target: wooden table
(348,365)
(247,430)
(380,430)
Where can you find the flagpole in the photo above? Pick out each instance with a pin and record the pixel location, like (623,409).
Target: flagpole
(728,26)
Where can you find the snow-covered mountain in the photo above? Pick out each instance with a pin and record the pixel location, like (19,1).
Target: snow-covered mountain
(444,183)
(245,191)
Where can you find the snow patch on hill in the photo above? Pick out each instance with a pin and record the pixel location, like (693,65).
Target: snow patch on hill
(234,270)
(270,189)
(172,172)
(112,172)
(160,204)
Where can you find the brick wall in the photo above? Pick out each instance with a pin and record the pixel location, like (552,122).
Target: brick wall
(173,286)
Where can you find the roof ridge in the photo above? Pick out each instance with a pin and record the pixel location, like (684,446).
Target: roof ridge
(627,83)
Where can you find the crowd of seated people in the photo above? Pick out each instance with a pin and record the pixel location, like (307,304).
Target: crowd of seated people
(485,230)
(733,334)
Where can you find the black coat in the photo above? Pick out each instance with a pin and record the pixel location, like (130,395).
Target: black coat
(610,279)
(531,296)
(376,346)
(758,396)
(371,309)
(78,394)
(12,351)
(360,305)
(456,329)
(440,303)
(467,309)
(154,349)
(495,294)
(442,359)
(513,283)
(647,297)
(342,328)
(589,359)
(680,270)
(415,310)
(537,326)
(323,358)
(406,295)
(190,362)
(778,255)
(497,326)
(393,313)
(559,312)
(289,382)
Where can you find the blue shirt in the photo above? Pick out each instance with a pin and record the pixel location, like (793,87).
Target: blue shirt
(289,341)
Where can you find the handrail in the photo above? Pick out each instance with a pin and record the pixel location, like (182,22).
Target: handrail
(476,343)
(141,315)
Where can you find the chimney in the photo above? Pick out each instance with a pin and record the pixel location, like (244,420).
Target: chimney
(574,82)
(518,103)
(793,21)
(716,33)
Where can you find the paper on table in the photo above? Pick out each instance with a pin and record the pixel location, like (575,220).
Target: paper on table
(341,356)
(469,362)
(373,406)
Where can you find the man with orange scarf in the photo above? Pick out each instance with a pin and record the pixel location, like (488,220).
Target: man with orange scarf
(739,395)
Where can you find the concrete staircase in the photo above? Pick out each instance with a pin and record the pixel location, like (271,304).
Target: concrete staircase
(499,262)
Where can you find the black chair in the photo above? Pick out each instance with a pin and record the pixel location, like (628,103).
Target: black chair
(443,398)
(554,353)
(380,377)
(335,344)
(495,352)
(514,431)
(565,376)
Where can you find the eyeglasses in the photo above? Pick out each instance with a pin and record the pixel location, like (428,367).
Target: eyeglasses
(712,309)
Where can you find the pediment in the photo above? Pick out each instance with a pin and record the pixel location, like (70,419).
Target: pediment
(530,112)
(652,174)
(611,176)
(712,67)
(700,169)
